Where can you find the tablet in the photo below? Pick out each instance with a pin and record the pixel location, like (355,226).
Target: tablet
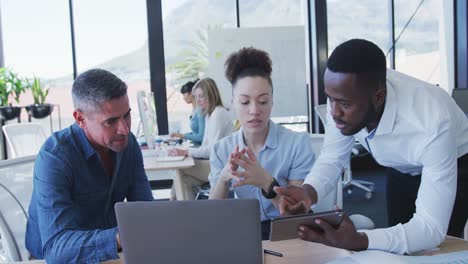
(282,228)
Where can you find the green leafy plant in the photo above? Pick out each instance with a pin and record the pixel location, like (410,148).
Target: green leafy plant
(10,84)
(195,58)
(4,92)
(39,92)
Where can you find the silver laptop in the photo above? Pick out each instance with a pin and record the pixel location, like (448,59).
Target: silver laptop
(204,231)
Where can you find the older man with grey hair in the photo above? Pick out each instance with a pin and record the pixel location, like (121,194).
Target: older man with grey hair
(82,171)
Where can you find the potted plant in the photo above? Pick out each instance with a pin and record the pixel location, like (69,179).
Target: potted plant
(10,86)
(39,109)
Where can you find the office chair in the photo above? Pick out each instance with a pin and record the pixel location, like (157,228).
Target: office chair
(357,150)
(24,139)
(461,98)
(16,180)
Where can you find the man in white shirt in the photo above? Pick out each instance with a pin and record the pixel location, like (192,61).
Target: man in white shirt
(405,124)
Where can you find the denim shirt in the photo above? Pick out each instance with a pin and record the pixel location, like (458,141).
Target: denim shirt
(71,215)
(197,124)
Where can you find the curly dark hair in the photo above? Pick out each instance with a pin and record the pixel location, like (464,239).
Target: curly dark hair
(360,57)
(248,62)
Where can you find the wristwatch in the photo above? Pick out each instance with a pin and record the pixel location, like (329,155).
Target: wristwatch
(271,193)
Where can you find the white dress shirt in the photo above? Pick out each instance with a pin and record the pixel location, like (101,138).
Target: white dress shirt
(217,126)
(422,131)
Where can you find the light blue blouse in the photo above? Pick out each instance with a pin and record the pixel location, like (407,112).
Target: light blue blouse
(286,155)
(197,124)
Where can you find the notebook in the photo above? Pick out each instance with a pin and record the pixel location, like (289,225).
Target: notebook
(170,158)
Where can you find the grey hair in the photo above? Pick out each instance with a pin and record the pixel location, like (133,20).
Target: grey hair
(94,87)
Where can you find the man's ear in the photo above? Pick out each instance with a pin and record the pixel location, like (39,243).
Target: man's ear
(380,95)
(79,118)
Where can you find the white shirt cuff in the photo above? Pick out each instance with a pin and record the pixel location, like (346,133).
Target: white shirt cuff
(375,238)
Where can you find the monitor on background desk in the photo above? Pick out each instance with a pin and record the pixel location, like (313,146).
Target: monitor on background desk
(147,116)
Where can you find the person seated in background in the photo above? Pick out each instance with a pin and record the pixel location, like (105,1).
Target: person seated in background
(218,121)
(262,154)
(82,171)
(218,124)
(197,120)
(412,127)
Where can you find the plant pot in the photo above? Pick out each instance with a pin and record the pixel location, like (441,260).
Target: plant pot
(9,112)
(39,110)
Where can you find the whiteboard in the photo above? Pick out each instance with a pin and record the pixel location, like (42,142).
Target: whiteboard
(286,46)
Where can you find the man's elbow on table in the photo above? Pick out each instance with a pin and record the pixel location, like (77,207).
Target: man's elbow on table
(423,234)
(416,235)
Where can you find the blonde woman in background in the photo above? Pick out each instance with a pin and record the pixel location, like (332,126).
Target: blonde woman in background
(218,124)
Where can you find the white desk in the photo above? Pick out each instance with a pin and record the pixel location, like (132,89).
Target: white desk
(294,251)
(152,167)
(151,164)
(297,251)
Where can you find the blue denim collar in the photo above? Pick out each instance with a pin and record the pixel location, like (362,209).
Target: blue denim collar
(83,142)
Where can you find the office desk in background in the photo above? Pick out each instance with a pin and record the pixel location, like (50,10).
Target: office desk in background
(151,164)
(296,251)
(155,169)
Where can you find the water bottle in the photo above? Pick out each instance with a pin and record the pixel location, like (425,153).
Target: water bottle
(158,148)
(164,150)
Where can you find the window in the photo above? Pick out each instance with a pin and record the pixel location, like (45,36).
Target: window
(260,13)
(186,25)
(115,39)
(423,28)
(366,19)
(417,50)
(37,42)
(278,28)
(197,42)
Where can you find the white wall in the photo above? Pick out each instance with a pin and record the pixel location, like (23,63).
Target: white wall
(286,46)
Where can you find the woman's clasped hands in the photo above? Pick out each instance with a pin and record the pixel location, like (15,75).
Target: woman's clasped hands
(252,172)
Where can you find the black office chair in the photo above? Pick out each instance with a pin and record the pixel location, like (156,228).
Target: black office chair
(203,191)
(461,98)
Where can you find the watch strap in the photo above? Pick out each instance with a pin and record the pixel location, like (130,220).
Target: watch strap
(271,193)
